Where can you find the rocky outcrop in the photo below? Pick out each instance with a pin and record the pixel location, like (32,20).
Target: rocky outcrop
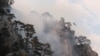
(71,44)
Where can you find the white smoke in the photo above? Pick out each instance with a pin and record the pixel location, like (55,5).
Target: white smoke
(47,28)
(45,32)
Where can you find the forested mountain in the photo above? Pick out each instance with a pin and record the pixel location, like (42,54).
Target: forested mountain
(19,39)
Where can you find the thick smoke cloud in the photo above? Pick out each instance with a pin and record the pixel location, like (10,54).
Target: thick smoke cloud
(25,12)
(45,31)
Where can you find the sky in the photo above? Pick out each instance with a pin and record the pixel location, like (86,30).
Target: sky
(85,13)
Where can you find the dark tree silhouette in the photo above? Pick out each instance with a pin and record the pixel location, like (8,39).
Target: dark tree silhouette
(82,40)
(41,49)
(11,16)
(6,3)
(29,30)
(4,45)
(12,43)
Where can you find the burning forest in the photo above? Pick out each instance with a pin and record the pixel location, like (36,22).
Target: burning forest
(21,39)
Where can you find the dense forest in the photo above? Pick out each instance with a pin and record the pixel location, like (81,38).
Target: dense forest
(19,39)
(12,42)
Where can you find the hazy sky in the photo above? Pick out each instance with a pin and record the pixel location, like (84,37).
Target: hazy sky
(86,14)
